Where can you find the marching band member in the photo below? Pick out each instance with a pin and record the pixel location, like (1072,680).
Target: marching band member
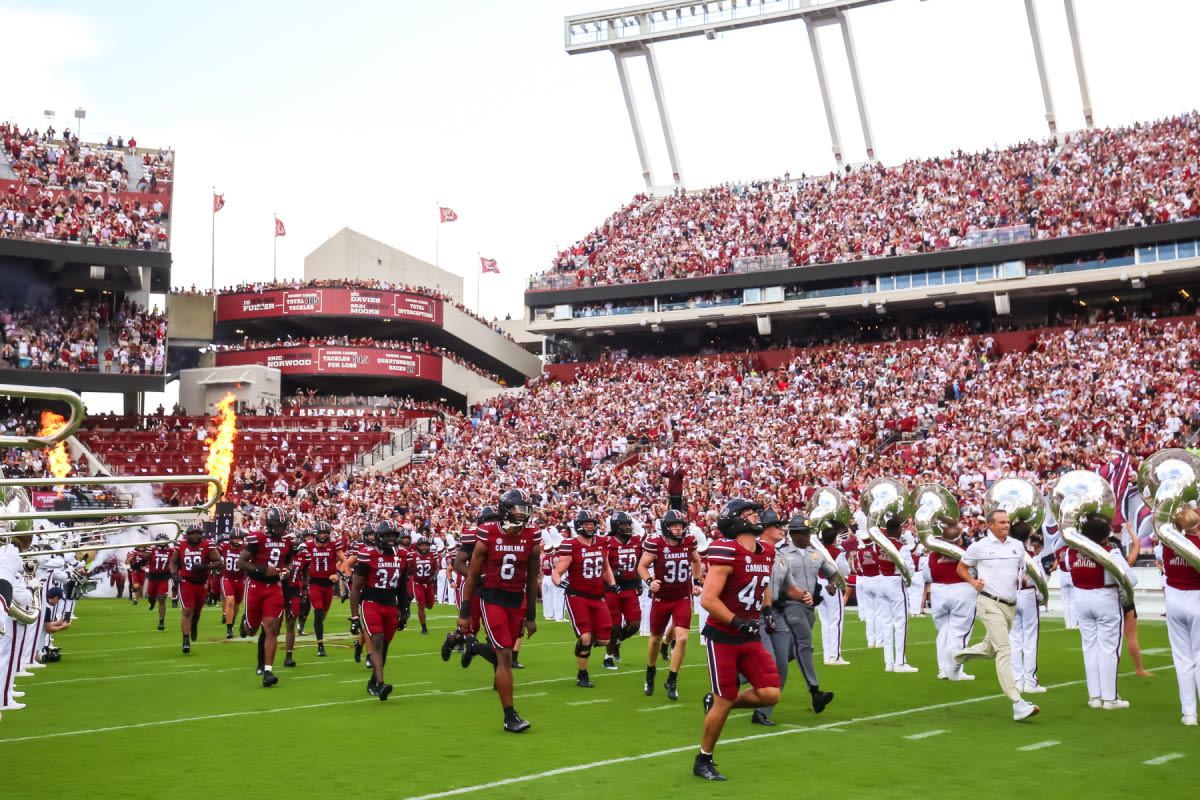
(832,609)
(1027,623)
(890,599)
(1183,614)
(952,601)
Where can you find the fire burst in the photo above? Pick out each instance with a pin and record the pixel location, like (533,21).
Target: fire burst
(220,450)
(56,457)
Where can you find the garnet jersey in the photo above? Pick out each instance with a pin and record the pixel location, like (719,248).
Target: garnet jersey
(508,554)
(875,561)
(623,559)
(229,558)
(160,558)
(193,561)
(321,560)
(299,560)
(943,569)
(1086,572)
(586,573)
(382,574)
(268,552)
(748,581)
(423,567)
(137,560)
(672,566)
(1180,574)
(467,542)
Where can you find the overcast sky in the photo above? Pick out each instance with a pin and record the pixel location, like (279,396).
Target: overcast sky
(367,115)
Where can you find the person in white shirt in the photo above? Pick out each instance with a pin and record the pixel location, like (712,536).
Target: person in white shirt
(999,563)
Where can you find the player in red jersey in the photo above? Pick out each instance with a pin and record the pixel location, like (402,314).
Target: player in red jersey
(190,564)
(676,564)
(379,592)
(506,559)
(136,560)
(735,591)
(294,593)
(266,560)
(583,572)
(158,579)
(322,567)
(624,550)
(365,543)
(423,582)
(463,639)
(233,581)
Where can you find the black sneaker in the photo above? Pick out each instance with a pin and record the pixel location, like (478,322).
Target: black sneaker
(372,688)
(609,663)
(515,724)
(820,700)
(187,648)
(517,664)
(759,718)
(648,688)
(448,645)
(708,703)
(384,690)
(672,690)
(357,652)
(320,651)
(270,679)
(289,661)
(584,682)
(705,768)
(468,652)
(665,649)
(259,670)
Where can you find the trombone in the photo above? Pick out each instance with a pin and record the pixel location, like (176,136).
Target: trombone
(102,543)
(74,401)
(100,480)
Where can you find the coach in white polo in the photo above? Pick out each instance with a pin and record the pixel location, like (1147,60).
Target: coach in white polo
(999,562)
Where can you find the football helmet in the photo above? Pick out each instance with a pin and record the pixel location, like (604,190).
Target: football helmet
(386,535)
(323,531)
(276,519)
(768,517)
(621,525)
(582,518)
(368,533)
(515,508)
(161,537)
(488,514)
(194,533)
(669,520)
(238,535)
(424,543)
(730,522)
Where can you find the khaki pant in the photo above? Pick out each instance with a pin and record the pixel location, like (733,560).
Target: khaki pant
(997,619)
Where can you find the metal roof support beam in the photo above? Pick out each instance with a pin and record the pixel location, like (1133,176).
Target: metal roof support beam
(852,57)
(634,120)
(1038,55)
(1080,72)
(823,82)
(664,119)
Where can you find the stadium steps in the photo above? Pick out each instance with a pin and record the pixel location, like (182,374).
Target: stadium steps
(133,165)
(397,453)
(6,172)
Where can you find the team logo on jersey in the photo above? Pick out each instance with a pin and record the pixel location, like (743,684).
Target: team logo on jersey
(747,559)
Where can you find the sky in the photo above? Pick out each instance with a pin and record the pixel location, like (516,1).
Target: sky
(370,115)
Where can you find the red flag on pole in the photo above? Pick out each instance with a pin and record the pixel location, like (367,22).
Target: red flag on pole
(489,265)
(279,229)
(218,202)
(448,214)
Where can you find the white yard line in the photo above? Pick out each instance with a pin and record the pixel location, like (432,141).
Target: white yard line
(589,702)
(925,735)
(1154,762)
(1038,746)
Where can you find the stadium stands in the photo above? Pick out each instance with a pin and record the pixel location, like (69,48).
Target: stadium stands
(68,339)
(1100,180)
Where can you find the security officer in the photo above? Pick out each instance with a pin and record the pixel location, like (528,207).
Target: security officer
(795,594)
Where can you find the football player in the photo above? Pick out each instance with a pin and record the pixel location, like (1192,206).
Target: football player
(505,558)
(294,592)
(190,563)
(672,556)
(379,593)
(423,584)
(158,581)
(266,560)
(322,563)
(624,550)
(233,582)
(583,572)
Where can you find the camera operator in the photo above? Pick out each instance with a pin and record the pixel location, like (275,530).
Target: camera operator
(55,617)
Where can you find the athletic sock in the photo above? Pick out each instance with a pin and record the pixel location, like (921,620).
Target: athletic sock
(671,676)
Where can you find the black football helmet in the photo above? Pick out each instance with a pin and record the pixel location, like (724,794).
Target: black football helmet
(671,519)
(424,543)
(515,508)
(730,522)
(583,517)
(488,514)
(238,535)
(768,517)
(621,526)
(386,535)
(368,534)
(194,533)
(276,519)
(323,531)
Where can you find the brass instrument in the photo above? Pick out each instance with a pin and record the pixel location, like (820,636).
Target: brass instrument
(123,480)
(1167,481)
(935,506)
(36,393)
(16,500)
(97,539)
(1079,492)
(828,505)
(881,499)
(1024,503)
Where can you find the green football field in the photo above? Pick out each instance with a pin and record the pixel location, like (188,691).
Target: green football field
(125,714)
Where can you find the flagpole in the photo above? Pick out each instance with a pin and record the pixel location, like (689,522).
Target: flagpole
(478,282)
(275,252)
(437,238)
(213,246)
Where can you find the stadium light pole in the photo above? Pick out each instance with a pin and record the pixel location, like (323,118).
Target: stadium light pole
(80,116)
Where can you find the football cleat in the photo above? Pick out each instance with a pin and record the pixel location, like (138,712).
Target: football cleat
(300,631)
(384,690)
(259,670)
(448,645)
(708,703)
(820,700)
(370,664)
(515,724)
(665,650)
(609,663)
(357,652)
(372,688)
(617,652)
(648,688)
(289,661)
(517,664)
(229,632)
(161,627)
(672,690)
(759,718)
(270,679)
(584,682)
(187,648)
(705,768)
(320,651)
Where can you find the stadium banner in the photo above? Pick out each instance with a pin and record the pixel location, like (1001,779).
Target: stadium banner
(347,361)
(330,303)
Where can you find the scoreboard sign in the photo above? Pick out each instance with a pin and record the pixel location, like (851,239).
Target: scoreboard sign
(347,361)
(330,303)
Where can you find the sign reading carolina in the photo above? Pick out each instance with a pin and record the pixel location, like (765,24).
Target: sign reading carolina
(347,361)
(329,303)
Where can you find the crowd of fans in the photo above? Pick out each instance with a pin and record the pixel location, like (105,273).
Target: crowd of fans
(47,336)
(1099,180)
(404,345)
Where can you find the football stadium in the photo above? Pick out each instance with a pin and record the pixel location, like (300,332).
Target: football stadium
(831,423)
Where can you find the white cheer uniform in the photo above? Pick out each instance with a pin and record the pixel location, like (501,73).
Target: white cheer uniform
(1183,623)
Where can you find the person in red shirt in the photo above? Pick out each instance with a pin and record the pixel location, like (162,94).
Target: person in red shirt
(137,560)
(672,556)
(158,580)
(233,582)
(266,560)
(624,550)
(321,567)
(190,563)
(380,592)
(584,574)
(423,568)
(735,591)
(294,593)
(505,559)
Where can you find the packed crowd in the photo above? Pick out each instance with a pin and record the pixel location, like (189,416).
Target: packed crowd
(408,346)
(1141,175)
(51,337)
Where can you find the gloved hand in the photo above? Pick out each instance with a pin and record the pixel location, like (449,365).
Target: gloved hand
(355,626)
(770,623)
(746,627)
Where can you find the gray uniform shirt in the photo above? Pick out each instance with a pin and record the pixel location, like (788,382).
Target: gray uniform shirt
(796,567)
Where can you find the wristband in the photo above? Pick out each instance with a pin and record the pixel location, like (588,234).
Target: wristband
(464,611)
(697,582)
(530,616)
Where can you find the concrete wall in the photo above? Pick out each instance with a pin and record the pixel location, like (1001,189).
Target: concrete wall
(476,334)
(190,317)
(254,386)
(349,254)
